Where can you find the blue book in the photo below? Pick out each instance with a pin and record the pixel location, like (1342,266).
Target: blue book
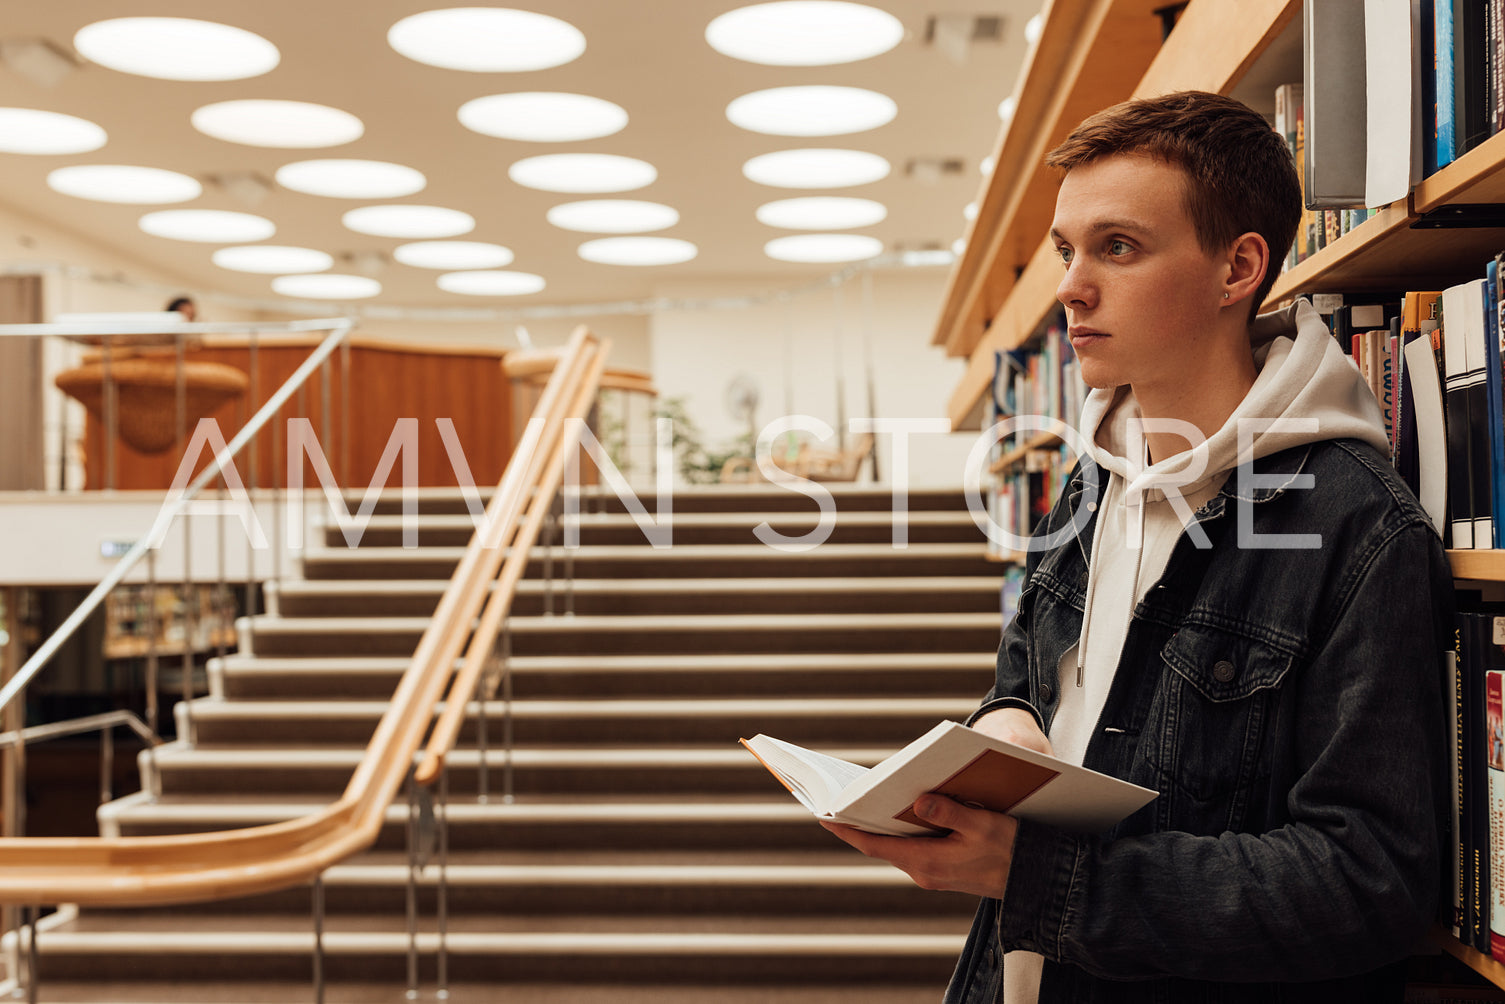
(1442,52)
(1494,406)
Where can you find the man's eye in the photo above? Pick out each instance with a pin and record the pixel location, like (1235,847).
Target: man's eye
(1119,247)
(1065,253)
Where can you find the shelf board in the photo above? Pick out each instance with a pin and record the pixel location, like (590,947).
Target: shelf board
(1480,963)
(1479,566)
(1040,441)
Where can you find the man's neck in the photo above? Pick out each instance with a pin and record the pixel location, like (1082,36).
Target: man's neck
(1205,399)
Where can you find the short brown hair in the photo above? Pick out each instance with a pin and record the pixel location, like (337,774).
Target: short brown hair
(1239,171)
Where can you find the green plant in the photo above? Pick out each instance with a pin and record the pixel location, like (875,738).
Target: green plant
(697,463)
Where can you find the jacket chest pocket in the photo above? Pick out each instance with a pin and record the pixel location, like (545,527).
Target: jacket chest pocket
(1206,733)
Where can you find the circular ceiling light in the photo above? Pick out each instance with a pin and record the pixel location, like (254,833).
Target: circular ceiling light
(29,130)
(816,168)
(176,48)
(410,222)
(543,117)
(490,283)
(486,39)
(822,212)
(327,286)
(813,110)
(638,251)
(804,33)
(351,179)
(613,216)
(823,248)
(1006,108)
(287,124)
(207,226)
(123,183)
(272,259)
(582,173)
(452,255)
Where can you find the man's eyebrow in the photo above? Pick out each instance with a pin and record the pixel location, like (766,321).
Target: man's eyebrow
(1104,226)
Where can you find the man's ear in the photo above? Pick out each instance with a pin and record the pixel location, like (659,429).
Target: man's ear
(1248,260)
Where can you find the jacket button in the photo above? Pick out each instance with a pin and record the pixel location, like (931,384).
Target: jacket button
(1223,671)
(1045,691)
(1081,583)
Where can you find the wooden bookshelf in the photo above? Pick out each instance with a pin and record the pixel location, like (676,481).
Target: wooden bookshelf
(1002,287)
(1478,566)
(1480,963)
(1041,441)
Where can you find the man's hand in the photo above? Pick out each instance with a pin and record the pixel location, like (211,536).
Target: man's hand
(974,857)
(1017,726)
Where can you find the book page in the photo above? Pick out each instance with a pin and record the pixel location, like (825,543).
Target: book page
(813,778)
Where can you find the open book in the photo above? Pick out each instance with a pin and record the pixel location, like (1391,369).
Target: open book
(954,760)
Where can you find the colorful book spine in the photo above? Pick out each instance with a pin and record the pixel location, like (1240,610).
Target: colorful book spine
(1443,95)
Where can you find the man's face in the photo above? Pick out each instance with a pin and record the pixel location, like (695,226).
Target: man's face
(1140,293)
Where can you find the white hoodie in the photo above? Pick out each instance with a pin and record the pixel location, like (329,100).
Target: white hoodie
(1308,384)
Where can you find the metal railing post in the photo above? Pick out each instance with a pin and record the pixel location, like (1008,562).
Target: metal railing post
(318,922)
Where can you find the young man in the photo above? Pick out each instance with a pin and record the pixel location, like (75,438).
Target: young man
(1250,619)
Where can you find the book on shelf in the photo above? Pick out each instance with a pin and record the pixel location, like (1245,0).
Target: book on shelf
(1393,69)
(1479,642)
(1423,458)
(1494,763)
(1465,396)
(1444,107)
(1336,103)
(951,759)
(1473,111)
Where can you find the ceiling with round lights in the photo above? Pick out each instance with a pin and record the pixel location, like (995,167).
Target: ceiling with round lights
(638,251)
(812,110)
(350,179)
(487,39)
(327,286)
(491,283)
(176,48)
(613,216)
(285,124)
(804,33)
(272,259)
(43,133)
(822,212)
(409,222)
(816,168)
(583,173)
(823,248)
(124,183)
(207,226)
(451,255)
(445,154)
(539,117)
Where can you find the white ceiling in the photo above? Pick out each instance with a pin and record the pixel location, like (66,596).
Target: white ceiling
(649,56)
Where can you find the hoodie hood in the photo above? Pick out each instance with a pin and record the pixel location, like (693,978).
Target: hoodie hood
(1307,391)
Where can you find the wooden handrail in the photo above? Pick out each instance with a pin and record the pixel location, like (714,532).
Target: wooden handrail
(183,868)
(447,729)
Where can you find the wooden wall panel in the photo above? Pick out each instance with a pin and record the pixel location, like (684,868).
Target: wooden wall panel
(385,384)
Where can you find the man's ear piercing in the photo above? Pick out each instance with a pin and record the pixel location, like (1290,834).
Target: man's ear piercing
(1225,296)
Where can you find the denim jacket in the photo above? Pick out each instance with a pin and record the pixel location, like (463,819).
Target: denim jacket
(1286,703)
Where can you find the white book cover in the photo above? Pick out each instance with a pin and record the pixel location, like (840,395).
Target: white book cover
(1392,62)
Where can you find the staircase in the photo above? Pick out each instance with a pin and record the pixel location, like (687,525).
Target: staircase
(643,855)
